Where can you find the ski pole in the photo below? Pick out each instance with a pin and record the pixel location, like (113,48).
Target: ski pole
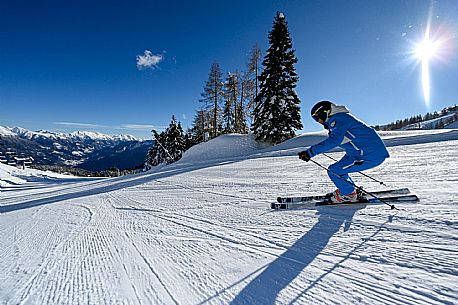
(358,187)
(365,175)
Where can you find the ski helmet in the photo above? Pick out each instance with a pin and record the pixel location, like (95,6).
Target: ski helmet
(321,111)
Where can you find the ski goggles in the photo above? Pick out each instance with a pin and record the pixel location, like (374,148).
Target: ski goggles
(318,113)
(315,117)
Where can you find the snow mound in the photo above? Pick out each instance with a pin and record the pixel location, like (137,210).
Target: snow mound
(223,147)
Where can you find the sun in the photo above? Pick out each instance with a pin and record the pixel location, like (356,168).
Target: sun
(424,52)
(426,49)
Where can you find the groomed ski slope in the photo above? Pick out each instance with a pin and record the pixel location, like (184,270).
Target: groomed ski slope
(199,231)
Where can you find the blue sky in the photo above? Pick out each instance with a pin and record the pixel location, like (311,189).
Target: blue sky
(68,66)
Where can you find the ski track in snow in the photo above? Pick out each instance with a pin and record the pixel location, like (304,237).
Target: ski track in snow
(203,234)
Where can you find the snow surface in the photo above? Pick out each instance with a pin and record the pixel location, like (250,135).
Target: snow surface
(454,125)
(200,232)
(10,176)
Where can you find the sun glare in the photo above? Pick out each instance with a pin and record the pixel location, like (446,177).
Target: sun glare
(424,52)
(427,49)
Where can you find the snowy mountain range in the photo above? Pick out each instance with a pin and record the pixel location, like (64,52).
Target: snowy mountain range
(83,149)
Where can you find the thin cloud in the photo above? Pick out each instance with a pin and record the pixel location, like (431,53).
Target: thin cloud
(142,127)
(148,60)
(83,125)
(131,127)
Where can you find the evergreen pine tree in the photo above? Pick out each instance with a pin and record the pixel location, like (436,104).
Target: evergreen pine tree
(175,143)
(252,76)
(213,96)
(156,154)
(241,118)
(246,98)
(199,127)
(230,103)
(277,112)
(188,139)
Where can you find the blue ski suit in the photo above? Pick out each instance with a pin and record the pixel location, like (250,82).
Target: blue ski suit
(363,146)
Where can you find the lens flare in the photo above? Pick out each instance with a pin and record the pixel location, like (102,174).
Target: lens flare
(424,52)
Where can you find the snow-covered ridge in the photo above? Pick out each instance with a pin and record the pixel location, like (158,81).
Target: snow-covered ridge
(5,131)
(76,135)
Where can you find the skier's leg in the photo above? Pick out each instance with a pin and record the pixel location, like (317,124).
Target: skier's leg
(349,165)
(339,176)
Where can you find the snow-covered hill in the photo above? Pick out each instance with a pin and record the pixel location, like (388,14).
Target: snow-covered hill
(199,231)
(444,121)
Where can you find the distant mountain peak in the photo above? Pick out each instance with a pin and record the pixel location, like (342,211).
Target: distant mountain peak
(93,150)
(92,135)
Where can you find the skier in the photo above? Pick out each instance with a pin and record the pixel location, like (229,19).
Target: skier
(363,146)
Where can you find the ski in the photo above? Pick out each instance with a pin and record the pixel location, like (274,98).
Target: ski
(326,202)
(400,191)
(391,199)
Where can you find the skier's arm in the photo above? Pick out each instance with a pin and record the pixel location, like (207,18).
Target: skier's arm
(337,130)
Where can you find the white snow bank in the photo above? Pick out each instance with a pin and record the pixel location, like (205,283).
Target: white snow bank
(222,147)
(7,178)
(410,133)
(10,175)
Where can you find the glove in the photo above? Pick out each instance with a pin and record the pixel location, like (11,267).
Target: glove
(304,156)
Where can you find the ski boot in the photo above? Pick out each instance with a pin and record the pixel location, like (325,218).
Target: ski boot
(337,197)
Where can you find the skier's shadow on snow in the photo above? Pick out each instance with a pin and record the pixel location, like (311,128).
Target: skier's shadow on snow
(265,288)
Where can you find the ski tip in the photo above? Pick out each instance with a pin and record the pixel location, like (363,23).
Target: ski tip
(278,206)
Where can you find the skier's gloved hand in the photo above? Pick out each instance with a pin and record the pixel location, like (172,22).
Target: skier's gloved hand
(304,155)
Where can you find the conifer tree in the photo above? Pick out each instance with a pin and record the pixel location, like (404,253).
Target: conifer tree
(252,77)
(213,96)
(168,146)
(241,118)
(156,154)
(175,143)
(231,92)
(228,118)
(277,112)
(200,126)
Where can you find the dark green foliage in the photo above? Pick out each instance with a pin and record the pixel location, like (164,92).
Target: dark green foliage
(156,155)
(174,141)
(200,130)
(277,111)
(168,146)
